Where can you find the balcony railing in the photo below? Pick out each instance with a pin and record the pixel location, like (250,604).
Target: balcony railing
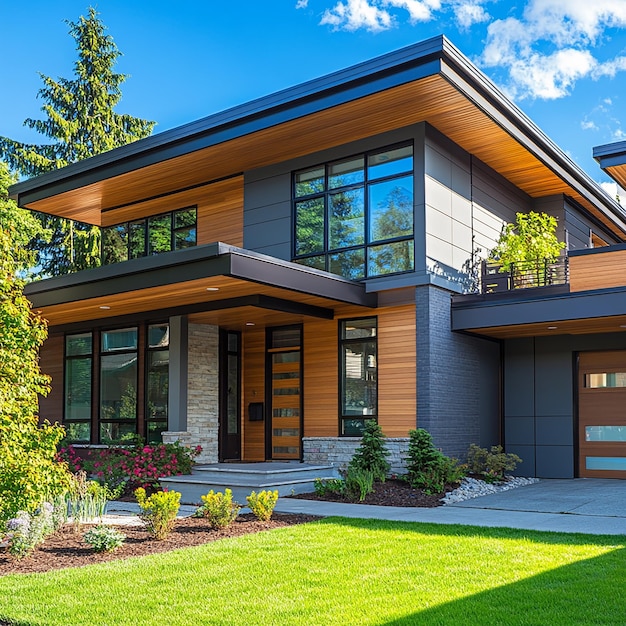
(524,275)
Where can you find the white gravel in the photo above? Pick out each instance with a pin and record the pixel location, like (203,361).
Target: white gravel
(474,488)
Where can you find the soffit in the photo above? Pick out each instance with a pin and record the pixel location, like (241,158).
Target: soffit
(475,126)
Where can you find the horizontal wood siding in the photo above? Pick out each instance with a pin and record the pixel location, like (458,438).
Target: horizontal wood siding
(51,363)
(597,271)
(253,391)
(220,210)
(220,213)
(321,383)
(397,412)
(396,372)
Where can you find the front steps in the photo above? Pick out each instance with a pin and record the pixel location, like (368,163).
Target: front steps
(288,478)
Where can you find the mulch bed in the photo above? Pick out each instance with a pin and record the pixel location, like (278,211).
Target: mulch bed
(390,493)
(65,548)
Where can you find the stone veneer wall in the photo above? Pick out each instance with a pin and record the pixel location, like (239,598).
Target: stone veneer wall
(337,451)
(202,394)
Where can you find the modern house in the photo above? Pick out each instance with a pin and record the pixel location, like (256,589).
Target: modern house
(276,274)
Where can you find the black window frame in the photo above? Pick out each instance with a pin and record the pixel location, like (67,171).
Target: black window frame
(343,342)
(143,224)
(369,243)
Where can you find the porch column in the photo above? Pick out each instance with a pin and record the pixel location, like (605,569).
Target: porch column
(177,403)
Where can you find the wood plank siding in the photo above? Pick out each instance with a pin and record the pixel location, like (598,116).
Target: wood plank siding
(253,386)
(51,363)
(597,271)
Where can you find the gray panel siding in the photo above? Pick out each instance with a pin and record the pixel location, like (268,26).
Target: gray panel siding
(539,400)
(267,191)
(457,393)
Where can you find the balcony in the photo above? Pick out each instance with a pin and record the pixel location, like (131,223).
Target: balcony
(523,275)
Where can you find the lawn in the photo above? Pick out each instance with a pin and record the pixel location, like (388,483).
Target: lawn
(341,571)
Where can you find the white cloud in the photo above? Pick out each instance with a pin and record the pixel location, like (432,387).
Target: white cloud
(567,29)
(419,10)
(469,12)
(302,4)
(355,14)
(614,190)
(588,124)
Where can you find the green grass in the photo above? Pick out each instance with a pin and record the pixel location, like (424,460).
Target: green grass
(342,571)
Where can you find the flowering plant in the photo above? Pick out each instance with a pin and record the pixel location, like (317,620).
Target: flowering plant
(136,466)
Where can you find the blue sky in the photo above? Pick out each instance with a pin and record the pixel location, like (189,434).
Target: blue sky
(562,61)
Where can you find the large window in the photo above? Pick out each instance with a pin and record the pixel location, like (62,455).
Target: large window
(124,362)
(156,234)
(354,217)
(359,374)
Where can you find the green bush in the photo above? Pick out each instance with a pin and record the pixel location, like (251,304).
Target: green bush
(491,464)
(87,499)
(428,468)
(324,486)
(219,508)
(371,453)
(158,512)
(262,504)
(359,483)
(103,538)
(27,530)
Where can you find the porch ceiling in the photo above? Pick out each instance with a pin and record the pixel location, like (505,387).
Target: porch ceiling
(227,286)
(430,82)
(590,312)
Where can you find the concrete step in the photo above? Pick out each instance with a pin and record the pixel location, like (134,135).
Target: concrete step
(243,478)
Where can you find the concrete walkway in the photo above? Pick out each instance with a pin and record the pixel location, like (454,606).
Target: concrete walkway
(582,505)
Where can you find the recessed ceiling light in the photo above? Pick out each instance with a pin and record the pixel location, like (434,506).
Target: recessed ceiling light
(212,288)
(250,324)
(104,307)
(622,325)
(552,327)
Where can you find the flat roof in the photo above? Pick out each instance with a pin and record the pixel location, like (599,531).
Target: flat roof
(430,81)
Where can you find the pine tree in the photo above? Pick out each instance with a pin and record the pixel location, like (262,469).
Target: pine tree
(81,121)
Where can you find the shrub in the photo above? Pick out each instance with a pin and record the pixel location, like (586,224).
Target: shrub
(103,538)
(491,464)
(134,466)
(428,468)
(26,531)
(219,508)
(371,453)
(359,482)
(262,504)
(324,486)
(87,499)
(158,512)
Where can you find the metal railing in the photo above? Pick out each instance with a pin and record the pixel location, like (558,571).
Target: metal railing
(524,275)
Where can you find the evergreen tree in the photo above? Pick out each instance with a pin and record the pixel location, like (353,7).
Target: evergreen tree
(81,121)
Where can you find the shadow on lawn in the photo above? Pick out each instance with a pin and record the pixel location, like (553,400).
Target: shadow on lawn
(574,593)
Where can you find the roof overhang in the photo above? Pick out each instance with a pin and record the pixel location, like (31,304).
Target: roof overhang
(209,282)
(540,312)
(428,82)
(612,159)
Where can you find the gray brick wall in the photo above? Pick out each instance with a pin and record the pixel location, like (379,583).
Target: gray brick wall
(457,379)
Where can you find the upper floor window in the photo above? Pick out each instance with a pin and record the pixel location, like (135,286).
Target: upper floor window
(354,217)
(152,235)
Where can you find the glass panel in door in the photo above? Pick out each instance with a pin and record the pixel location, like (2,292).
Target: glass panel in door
(285,412)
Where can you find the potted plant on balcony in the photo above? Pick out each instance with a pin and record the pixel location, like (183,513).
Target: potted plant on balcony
(528,249)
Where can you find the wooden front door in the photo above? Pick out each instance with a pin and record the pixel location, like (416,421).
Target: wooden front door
(284,393)
(602,414)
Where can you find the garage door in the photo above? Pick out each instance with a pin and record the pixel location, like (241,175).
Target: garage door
(602,414)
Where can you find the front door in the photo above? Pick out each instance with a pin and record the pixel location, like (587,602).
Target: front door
(602,414)
(230,396)
(284,393)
